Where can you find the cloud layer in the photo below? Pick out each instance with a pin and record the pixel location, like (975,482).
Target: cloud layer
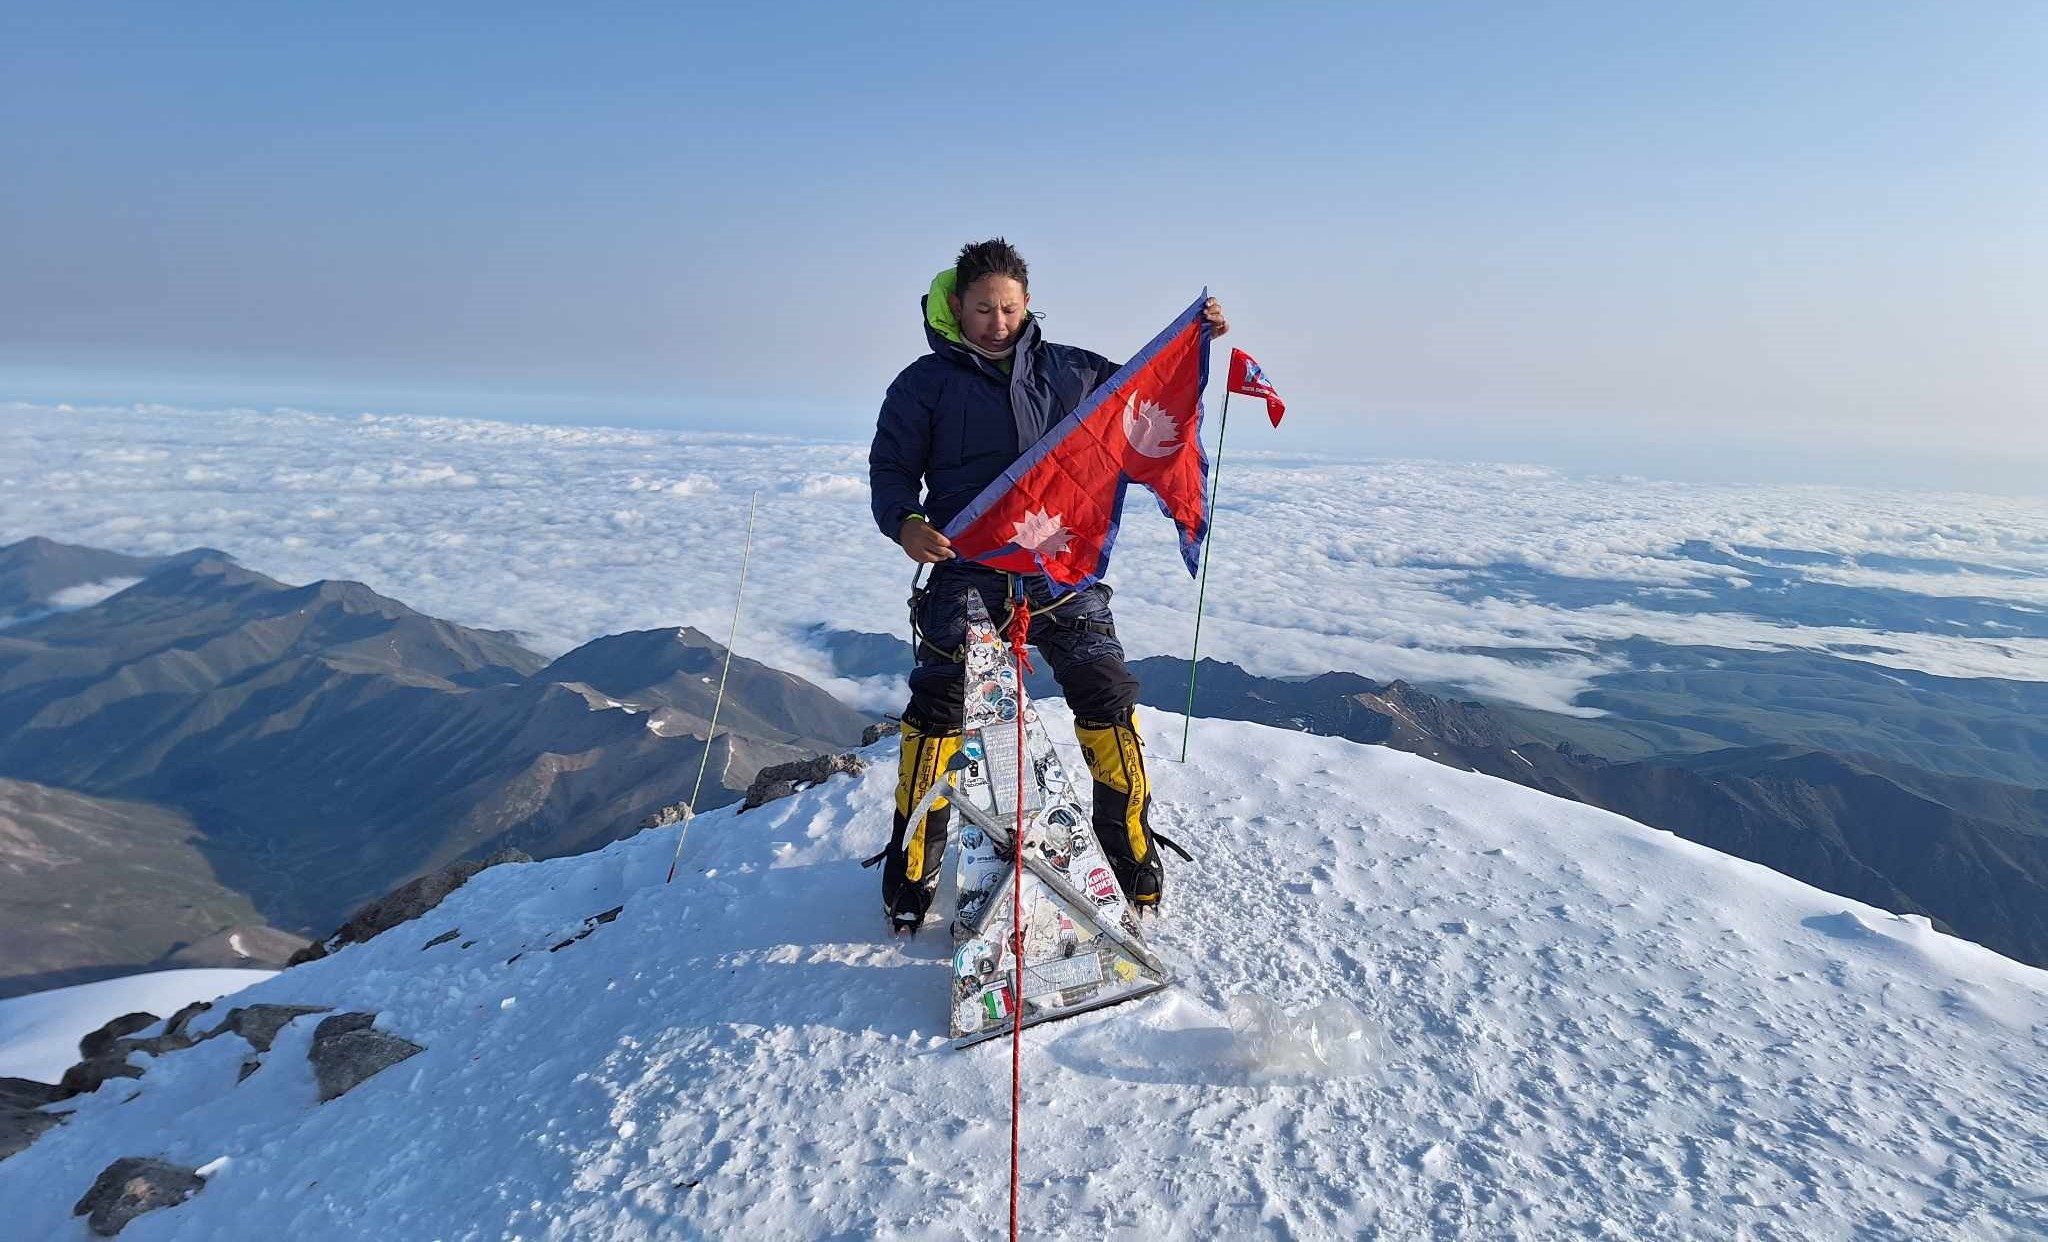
(1387,568)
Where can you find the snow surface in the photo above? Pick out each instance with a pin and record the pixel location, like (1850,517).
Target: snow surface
(39,1033)
(1586,1028)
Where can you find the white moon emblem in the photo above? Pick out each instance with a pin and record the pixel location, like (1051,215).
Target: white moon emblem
(1150,429)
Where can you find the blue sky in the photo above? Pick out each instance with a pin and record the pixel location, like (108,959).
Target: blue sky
(1734,240)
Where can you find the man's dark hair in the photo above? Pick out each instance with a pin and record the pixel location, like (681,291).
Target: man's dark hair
(994,257)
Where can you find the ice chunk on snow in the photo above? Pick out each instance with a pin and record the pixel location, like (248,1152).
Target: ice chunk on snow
(1333,1038)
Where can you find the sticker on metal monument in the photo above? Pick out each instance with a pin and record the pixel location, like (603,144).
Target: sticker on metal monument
(1061,974)
(1082,945)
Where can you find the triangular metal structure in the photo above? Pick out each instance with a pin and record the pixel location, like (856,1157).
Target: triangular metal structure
(1082,946)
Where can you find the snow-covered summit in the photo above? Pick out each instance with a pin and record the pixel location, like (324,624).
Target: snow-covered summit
(1584,1028)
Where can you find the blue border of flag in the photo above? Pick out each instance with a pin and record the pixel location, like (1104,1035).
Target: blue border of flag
(1190,547)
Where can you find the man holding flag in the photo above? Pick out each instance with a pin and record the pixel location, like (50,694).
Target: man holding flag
(1001,459)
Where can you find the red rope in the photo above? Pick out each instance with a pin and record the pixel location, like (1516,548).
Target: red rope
(1020,631)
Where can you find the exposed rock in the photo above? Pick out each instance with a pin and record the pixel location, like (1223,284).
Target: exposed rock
(21,1115)
(347,1051)
(784,779)
(104,1053)
(85,1077)
(342,1024)
(181,1021)
(28,1093)
(879,730)
(667,817)
(590,925)
(21,1126)
(404,903)
(131,1186)
(443,938)
(259,1024)
(156,1045)
(102,1041)
(107,1049)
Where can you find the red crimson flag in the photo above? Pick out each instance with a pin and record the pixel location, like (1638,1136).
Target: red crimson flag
(1248,380)
(1055,511)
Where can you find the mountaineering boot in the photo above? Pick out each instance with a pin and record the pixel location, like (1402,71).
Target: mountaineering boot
(1123,804)
(910,869)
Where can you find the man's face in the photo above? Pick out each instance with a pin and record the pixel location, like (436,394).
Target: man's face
(992,312)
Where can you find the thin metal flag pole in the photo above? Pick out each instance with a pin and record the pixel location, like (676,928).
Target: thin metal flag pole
(1202,590)
(732,635)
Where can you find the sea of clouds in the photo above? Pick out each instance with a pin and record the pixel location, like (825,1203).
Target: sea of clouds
(562,534)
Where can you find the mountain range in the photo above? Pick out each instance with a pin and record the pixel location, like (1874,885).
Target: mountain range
(1966,850)
(308,747)
(282,754)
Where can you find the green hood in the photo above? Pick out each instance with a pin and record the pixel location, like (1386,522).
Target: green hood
(938,307)
(939,317)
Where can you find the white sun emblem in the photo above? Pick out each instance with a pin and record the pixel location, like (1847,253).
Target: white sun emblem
(1150,429)
(1040,533)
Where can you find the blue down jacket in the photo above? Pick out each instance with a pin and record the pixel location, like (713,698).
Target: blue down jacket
(953,421)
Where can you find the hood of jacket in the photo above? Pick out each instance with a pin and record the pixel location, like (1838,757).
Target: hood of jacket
(942,326)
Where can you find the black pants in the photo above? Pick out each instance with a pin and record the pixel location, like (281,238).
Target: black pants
(1077,638)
